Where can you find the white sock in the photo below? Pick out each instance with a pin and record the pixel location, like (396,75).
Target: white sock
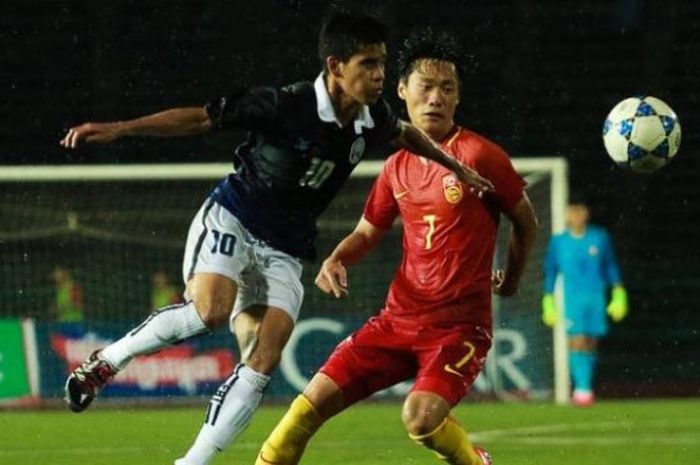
(228,414)
(165,327)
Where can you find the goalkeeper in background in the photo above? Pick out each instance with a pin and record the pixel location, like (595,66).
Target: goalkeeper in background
(583,255)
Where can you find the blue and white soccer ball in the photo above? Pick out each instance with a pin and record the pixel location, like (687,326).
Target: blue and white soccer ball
(642,134)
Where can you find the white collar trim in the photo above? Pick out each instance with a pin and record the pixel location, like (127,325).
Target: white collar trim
(326,112)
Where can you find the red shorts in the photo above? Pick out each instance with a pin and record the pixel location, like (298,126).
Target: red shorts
(444,359)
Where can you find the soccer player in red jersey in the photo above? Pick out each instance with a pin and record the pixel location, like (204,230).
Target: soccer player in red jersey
(436,325)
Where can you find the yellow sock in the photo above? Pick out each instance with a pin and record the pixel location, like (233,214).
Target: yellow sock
(288,440)
(450,443)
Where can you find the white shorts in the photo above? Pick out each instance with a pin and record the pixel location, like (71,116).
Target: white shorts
(218,243)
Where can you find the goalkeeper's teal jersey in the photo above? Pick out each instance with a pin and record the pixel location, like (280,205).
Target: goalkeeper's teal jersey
(587,264)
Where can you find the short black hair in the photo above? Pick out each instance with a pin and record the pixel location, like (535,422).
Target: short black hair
(343,34)
(577,198)
(432,45)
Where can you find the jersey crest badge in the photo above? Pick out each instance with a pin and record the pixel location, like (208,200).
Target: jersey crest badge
(593,251)
(357,150)
(452,189)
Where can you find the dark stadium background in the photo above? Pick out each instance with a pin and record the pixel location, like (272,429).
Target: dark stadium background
(546,74)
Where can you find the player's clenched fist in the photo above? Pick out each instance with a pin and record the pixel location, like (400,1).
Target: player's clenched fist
(333,278)
(90,132)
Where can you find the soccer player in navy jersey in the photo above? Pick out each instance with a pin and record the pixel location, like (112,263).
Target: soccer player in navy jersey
(436,324)
(583,255)
(244,249)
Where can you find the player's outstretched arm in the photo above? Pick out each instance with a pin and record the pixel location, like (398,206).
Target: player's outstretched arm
(522,238)
(415,140)
(175,122)
(333,276)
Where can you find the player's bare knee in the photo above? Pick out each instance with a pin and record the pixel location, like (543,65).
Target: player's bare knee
(424,412)
(421,421)
(213,308)
(213,296)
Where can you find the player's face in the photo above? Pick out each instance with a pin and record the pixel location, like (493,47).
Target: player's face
(431,93)
(362,76)
(577,216)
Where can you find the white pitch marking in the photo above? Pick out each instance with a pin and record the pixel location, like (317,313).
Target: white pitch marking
(608,440)
(103,450)
(524,434)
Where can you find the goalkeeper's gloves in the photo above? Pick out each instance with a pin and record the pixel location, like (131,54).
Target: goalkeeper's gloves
(550,313)
(617,308)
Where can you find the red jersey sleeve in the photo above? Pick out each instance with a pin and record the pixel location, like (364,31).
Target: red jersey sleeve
(495,165)
(381,208)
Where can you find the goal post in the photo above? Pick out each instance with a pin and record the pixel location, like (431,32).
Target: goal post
(115,226)
(557,170)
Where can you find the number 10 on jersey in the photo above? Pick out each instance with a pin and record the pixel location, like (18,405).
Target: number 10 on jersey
(319,170)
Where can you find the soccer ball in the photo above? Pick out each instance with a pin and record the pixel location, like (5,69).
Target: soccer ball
(641,134)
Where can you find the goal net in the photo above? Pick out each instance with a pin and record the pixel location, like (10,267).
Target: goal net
(87,252)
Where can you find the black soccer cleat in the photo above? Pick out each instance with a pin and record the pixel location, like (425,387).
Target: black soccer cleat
(86,381)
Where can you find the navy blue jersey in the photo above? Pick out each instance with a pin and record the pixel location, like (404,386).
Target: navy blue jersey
(295,159)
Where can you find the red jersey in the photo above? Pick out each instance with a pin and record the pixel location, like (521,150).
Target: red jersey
(449,234)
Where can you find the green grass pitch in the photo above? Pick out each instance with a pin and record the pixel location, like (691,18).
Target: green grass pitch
(609,433)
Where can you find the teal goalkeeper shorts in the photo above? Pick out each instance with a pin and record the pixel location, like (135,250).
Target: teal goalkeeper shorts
(586,317)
